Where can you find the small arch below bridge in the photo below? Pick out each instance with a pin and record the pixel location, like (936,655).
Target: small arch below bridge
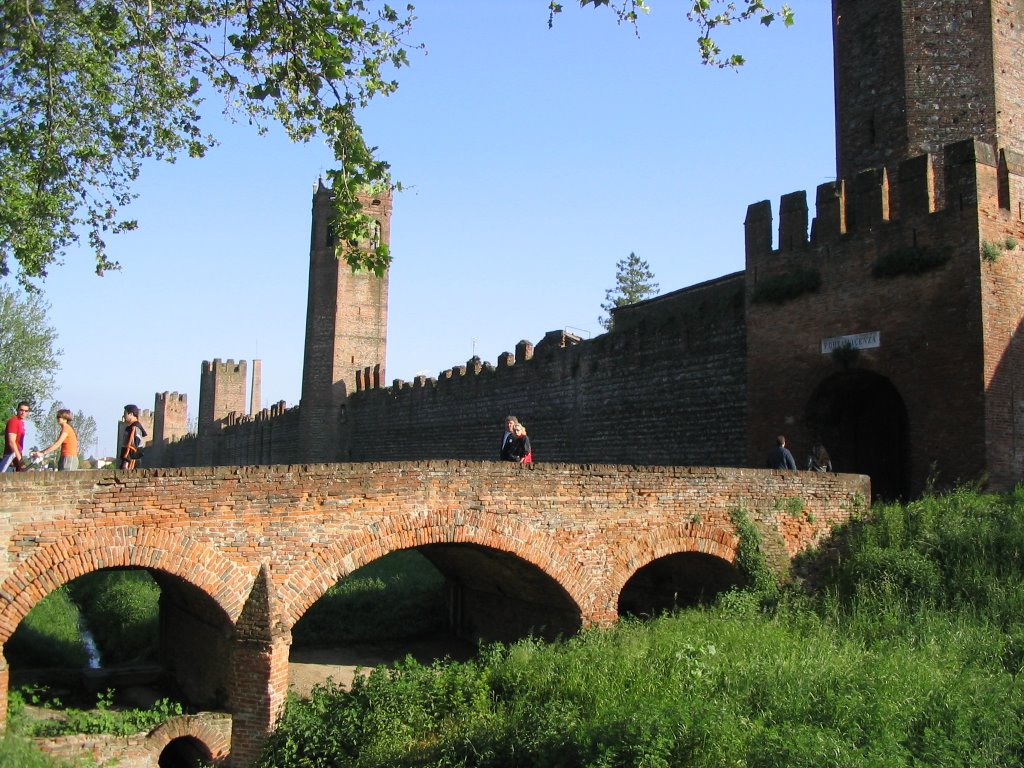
(497,596)
(678,580)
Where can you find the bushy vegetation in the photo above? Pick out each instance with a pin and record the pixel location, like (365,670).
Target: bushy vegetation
(398,596)
(104,717)
(49,636)
(122,610)
(909,653)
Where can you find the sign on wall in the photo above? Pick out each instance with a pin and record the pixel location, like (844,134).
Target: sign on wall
(869,340)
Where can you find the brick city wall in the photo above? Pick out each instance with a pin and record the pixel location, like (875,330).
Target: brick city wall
(668,388)
(262,544)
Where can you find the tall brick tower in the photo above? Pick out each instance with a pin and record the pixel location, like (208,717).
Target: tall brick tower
(346,328)
(913,76)
(170,417)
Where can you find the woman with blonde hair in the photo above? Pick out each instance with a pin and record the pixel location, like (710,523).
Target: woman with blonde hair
(67,441)
(518,446)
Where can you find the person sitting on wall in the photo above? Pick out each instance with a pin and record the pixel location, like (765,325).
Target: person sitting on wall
(779,457)
(819,460)
(510,423)
(518,448)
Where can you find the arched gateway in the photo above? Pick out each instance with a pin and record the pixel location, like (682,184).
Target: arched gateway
(246,550)
(862,420)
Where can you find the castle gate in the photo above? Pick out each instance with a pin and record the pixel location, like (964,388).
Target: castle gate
(862,419)
(243,552)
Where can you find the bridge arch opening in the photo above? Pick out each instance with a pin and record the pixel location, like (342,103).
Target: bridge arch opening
(145,634)
(678,580)
(431,601)
(497,596)
(861,419)
(185,752)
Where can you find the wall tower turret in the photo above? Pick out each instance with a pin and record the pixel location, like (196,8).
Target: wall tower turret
(222,391)
(346,326)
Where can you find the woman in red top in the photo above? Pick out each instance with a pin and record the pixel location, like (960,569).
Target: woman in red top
(67,441)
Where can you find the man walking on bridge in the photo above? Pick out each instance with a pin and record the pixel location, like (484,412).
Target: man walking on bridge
(131,438)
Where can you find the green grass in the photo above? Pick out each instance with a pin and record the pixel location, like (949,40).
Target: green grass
(17,751)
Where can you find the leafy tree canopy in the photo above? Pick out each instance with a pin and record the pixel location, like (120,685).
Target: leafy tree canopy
(90,90)
(634,282)
(28,357)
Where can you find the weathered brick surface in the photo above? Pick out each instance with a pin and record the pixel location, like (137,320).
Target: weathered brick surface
(915,75)
(264,543)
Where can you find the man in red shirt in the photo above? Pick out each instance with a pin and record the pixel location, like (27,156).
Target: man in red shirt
(14,442)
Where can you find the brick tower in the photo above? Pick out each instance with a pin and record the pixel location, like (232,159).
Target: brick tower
(890,332)
(222,391)
(913,76)
(346,328)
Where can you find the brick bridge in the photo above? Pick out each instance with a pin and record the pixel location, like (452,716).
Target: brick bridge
(241,553)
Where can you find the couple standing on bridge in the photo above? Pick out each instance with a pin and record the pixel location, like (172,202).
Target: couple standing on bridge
(515,445)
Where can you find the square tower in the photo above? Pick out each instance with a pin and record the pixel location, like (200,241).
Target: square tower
(913,76)
(346,325)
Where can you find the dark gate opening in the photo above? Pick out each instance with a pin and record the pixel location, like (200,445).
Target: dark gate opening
(860,418)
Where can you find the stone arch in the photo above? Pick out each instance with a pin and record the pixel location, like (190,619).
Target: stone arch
(328,563)
(196,563)
(693,538)
(861,419)
(210,731)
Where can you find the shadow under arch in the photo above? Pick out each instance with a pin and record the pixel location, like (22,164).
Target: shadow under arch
(681,580)
(488,560)
(861,419)
(677,568)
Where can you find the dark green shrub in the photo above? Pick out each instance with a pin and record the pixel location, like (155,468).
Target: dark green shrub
(778,289)
(49,635)
(909,261)
(122,611)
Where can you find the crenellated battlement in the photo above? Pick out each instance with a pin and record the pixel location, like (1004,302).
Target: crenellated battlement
(969,176)
(558,340)
(220,366)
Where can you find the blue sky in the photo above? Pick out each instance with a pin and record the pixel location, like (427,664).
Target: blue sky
(534,159)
